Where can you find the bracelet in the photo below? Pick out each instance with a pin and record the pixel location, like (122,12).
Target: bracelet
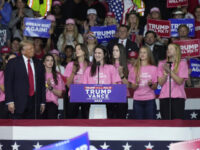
(50,88)
(122,77)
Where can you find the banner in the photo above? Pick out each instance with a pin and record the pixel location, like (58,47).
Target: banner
(189,47)
(187,145)
(37,27)
(98,93)
(176,3)
(104,33)
(176,22)
(195,67)
(161,27)
(79,143)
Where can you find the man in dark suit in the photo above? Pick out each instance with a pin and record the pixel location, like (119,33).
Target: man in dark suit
(123,39)
(25,84)
(158,50)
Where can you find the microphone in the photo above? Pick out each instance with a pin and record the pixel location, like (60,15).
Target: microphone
(98,64)
(169,62)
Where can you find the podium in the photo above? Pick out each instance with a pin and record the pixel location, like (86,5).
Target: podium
(98,95)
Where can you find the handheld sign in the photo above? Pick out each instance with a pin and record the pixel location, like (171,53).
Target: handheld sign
(98,93)
(35,27)
(161,27)
(176,22)
(176,3)
(195,67)
(189,47)
(104,33)
(78,143)
(187,145)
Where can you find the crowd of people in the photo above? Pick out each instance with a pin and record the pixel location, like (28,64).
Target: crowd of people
(37,72)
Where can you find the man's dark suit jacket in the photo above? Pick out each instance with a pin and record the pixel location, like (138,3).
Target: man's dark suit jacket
(159,53)
(17,83)
(130,46)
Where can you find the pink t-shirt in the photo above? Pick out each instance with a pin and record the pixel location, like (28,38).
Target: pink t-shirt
(2,94)
(50,96)
(78,78)
(177,91)
(144,92)
(117,67)
(108,74)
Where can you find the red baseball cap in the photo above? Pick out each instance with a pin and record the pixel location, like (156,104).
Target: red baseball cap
(5,49)
(133,54)
(111,14)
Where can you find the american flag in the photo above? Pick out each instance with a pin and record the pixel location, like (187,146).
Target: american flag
(120,8)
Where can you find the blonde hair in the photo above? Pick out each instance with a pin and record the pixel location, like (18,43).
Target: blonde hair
(23,43)
(177,57)
(137,21)
(114,21)
(150,61)
(75,33)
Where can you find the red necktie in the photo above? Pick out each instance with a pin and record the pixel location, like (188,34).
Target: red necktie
(30,78)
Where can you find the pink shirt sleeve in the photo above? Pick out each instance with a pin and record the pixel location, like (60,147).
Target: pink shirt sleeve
(183,69)
(68,69)
(155,76)
(131,76)
(160,69)
(60,85)
(1,78)
(86,75)
(115,75)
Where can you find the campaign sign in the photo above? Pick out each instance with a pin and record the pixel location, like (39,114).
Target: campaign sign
(104,33)
(161,27)
(37,27)
(195,67)
(176,22)
(187,145)
(189,47)
(176,3)
(79,143)
(98,93)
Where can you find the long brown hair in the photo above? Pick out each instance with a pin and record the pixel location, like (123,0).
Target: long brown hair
(86,57)
(122,59)
(54,72)
(150,61)
(94,62)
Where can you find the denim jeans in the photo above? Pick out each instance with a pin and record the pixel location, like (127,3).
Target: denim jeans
(144,109)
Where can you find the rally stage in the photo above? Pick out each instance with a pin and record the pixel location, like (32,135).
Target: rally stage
(103,134)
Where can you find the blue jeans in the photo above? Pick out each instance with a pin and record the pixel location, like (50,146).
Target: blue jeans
(144,109)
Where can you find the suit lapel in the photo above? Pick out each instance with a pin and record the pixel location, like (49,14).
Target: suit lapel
(22,64)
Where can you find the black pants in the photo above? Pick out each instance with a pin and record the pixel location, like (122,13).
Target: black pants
(3,110)
(117,110)
(72,110)
(51,111)
(177,108)
(31,110)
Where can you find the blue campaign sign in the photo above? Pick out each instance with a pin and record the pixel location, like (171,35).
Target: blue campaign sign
(98,93)
(35,27)
(78,143)
(104,33)
(176,22)
(195,67)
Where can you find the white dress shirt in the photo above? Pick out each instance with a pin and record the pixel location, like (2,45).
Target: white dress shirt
(124,41)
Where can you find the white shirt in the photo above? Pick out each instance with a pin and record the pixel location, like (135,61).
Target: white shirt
(124,41)
(32,66)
